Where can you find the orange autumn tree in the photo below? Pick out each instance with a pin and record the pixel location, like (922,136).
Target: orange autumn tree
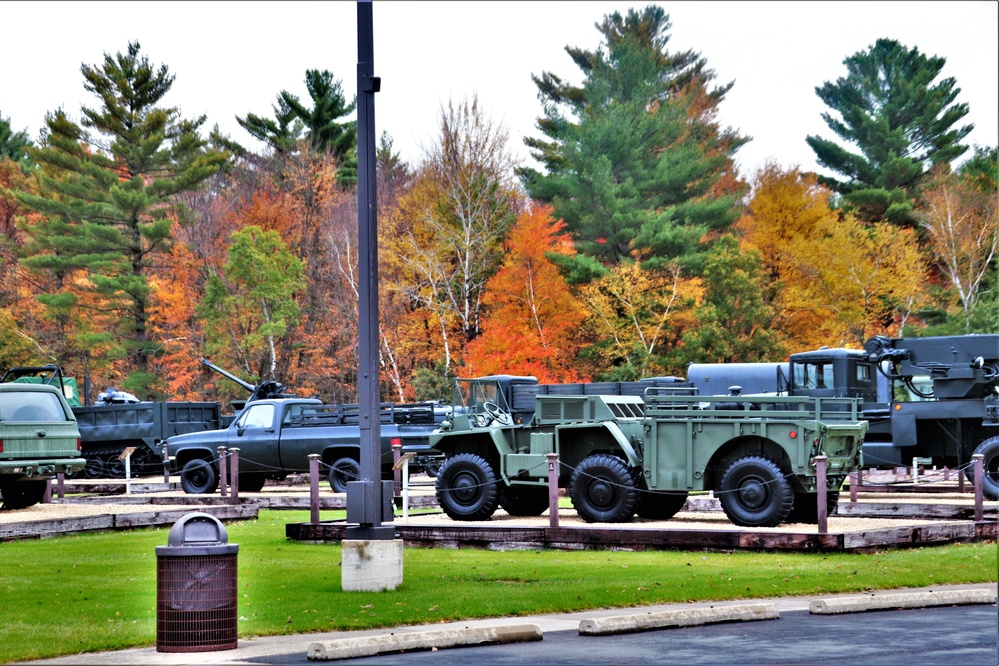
(532,319)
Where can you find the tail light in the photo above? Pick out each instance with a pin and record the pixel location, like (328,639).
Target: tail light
(396,441)
(1,446)
(79,447)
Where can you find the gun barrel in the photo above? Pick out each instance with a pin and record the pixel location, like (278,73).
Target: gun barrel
(249,387)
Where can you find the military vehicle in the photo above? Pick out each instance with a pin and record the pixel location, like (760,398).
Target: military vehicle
(623,453)
(38,439)
(932,398)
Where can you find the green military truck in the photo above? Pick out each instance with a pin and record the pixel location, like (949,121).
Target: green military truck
(621,453)
(38,439)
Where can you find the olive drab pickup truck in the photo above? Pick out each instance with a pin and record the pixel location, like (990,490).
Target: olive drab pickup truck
(38,439)
(621,453)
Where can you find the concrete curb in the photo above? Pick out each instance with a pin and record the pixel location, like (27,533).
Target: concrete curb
(366,646)
(893,601)
(687,617)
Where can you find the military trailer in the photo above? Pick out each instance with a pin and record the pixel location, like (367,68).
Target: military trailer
(622,454)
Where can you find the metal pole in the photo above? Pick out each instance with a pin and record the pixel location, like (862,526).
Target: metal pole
(314,488)
(552,489)
(222,473)
(977,461)
(396,472)
(166,465)
(235,476)
(405,490)
(128,471)
(364,514)
(820,473)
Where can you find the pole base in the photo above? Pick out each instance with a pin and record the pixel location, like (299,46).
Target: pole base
(371,565)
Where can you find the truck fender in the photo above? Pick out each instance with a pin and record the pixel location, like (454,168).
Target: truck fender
(619,438)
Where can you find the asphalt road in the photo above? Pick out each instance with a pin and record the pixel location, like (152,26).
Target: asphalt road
(966,635)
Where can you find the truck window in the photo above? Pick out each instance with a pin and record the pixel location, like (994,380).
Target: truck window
(813,375)
(863,372)
(257,416)
(31,406)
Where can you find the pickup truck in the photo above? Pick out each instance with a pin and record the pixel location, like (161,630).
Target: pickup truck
(38,439)
(275,437)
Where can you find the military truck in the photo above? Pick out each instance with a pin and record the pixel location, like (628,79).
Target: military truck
(38,439)
(622,454)
(932,398)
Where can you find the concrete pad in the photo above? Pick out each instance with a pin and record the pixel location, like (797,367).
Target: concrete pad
(897,600)
(621,624)
(371,565)
(366,646)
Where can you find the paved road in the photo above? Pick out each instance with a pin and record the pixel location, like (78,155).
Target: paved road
(966,635)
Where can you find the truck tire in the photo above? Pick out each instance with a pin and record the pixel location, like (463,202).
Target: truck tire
(754,493)
(806,507)
(658,505)
(343,471)
(467,488)
(21,493)
(603,490)
(198,477)
(990,466)
(524,500)
(252,483)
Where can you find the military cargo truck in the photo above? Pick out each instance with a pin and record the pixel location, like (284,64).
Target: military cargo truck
(38,439)
(622,454)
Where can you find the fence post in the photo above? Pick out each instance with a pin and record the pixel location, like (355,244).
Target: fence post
(853,487)
(128,470)
(314,487)
(166,465)
(552,489)
(223,475)
(960,480)
(234,453)
(820,473)
(47,495)
(977,460)
(915,471)
(60,485)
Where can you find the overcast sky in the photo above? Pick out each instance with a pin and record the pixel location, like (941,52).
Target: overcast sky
(232,58)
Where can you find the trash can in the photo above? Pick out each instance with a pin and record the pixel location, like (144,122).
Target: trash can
(196,587)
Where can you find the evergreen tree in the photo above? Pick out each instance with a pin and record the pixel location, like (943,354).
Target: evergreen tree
(633,157)
(109,198)
(902,123)
(14,145)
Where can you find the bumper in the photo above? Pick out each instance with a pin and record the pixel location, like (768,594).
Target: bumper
(42,468)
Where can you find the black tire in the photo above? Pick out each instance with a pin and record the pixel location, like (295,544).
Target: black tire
(806,507)
(343,471)
(990,466)
(22,493)
(114,467)
(524,500)
(94,469)
(603,489)
(659,505)
(467,488)
(251,483)
(198,477)
(433,470)
(754,493)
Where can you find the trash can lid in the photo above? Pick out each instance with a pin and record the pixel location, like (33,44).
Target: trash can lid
(197,529)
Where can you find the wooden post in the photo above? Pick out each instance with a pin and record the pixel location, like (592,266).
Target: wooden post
(552,489)
(234,453)
(960,480)
(60,485)
(860,477)
(820,473)
(977,461)
(223,480)
(166,464)
(853,487)
(47,496)
(314,488)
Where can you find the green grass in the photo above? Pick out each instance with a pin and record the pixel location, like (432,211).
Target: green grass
(98,592)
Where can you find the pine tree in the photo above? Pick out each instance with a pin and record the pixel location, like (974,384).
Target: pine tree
(634,158)
(902,123)
(14,145)
(109,196)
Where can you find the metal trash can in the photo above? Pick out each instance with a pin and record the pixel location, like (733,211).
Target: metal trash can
(196,587)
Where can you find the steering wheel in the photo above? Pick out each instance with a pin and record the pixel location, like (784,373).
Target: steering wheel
(493,410)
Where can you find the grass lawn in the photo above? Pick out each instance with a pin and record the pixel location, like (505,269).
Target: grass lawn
(98,591)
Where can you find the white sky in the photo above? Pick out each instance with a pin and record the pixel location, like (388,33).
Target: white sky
(231,58)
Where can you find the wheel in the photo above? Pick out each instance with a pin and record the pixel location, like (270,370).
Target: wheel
(754,493)
(467,488)
(658,505)
(115,468)
(251,483)
(198,477)
(524,500)
(493,410)
(342,471)
(806,507)
(94,468)
(22,493)
(990,479)
(603,490)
